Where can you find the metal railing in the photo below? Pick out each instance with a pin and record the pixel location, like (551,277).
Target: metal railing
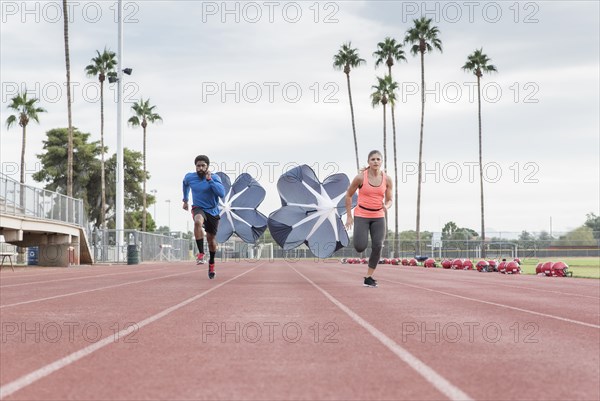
(18,199)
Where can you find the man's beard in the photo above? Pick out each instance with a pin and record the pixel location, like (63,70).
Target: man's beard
(201,174)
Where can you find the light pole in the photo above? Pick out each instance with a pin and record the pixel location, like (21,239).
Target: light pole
(120,167)
(153,192)
(169,220)
(120,170)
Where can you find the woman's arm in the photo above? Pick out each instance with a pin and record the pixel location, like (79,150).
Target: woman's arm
(389,193)
(356,182)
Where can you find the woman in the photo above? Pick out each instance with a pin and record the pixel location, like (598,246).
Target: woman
(374,198)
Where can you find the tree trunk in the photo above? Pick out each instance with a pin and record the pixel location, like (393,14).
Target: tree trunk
(68,67)
(353,126)
(481,168)
(396,234)
(22,186)
(102,172)
(384,138)
(21,250)
(23,142)
(396,254)
(144,189)
(385,166)
(420,167)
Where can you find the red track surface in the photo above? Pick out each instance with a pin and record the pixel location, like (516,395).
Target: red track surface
(295,330)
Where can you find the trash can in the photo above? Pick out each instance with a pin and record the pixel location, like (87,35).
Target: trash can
(32,255)
(133,254)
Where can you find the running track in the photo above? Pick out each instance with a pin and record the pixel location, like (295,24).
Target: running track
(298,330)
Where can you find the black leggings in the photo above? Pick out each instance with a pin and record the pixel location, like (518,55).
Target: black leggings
(362,227)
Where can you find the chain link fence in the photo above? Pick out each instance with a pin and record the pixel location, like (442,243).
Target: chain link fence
(498,248)
(148,247)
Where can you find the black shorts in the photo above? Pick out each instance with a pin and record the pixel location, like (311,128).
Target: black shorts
(211,223)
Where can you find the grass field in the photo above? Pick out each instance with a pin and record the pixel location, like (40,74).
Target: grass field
(581,267)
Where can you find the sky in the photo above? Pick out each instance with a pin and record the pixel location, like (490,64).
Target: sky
(252,85)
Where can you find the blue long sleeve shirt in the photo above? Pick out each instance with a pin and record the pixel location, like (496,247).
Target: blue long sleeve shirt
(205,194)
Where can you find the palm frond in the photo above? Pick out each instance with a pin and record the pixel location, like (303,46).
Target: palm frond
(423,32)
(347,57)
(477,62)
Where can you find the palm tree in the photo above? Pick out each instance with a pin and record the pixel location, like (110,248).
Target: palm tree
(424,38)
(26,110)
(144,113)
(102,65)
(385,91)
(478,64)
(345,59)
(70,121)
(388,51)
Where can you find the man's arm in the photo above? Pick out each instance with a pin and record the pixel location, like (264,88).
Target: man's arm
(215,184)
(186,191)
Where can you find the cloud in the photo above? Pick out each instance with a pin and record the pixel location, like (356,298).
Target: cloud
(260,95)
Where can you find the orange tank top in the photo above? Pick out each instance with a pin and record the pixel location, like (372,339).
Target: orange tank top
(370,198)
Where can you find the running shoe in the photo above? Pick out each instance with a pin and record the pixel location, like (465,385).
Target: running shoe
(370,282)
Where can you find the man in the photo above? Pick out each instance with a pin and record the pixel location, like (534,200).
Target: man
(206,190)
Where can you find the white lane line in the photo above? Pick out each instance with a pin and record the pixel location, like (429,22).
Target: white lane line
(50,368)
(564,319)
(437,380)
(94,289)
(4,275)
(568,294)
(37,271)
(80,278)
